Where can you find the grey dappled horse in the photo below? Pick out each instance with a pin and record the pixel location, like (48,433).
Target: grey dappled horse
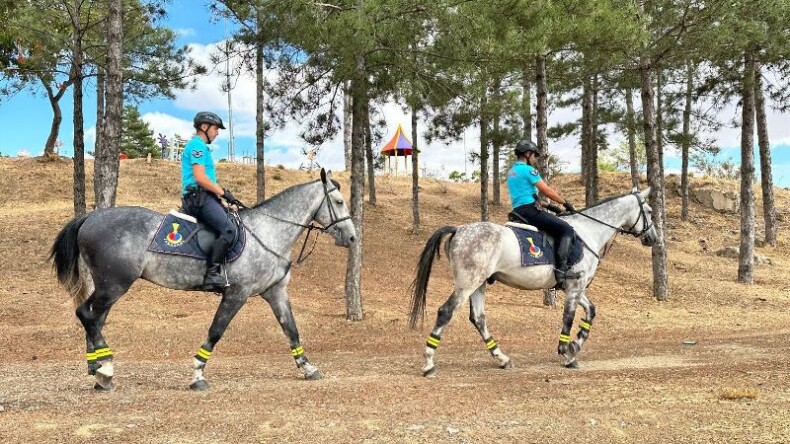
(486,252)
(98,256)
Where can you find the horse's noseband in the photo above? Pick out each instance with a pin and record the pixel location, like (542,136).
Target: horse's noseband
(333,219)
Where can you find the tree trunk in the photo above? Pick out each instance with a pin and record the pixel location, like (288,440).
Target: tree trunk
(353,288)
(484,210)
(260,106)
(591,192)
(347,123)
(631,128)
(371,181)
(660,129)
(685,145)
(542,121)
(586,136)
(495,145)
(746,257)
(57,118)
(415,176)
(98,145)
(660,277)
(79,131)
(109,162)
(766,176)
(526,103)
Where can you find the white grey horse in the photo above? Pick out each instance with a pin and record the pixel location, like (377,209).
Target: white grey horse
(486,252)
(98,256)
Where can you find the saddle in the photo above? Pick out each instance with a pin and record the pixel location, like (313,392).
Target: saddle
(182,235)
(537,247)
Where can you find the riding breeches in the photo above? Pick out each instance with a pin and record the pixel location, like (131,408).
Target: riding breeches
(544,221)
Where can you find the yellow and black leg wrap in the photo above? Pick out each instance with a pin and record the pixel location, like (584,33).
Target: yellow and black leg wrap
(203,354)
(491,344)
(564,339)
(297,352)
(584,328)
(433,341)
(100,354)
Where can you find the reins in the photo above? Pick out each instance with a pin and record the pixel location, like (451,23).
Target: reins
(619,230)
(310,227)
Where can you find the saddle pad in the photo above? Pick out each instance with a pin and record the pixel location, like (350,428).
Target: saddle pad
(178,235)
(535,250)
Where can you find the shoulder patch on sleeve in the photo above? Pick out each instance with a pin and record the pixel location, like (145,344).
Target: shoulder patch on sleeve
(534,172)
(197,153)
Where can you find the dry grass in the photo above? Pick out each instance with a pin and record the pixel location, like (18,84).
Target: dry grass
(737,393)
(638,381)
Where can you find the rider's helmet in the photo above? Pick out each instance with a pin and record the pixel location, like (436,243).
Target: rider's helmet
(525,145)
(207,117)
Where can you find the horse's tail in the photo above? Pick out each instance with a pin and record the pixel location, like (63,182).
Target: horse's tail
(419,287)
(65,255)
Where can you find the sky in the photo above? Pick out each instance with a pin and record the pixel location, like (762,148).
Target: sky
(28,117)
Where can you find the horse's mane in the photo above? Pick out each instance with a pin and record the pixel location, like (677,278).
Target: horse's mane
(608,199)
(288,191)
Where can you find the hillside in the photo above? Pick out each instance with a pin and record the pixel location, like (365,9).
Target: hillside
(637,381)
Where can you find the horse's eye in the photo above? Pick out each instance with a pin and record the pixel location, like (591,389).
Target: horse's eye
(339,202)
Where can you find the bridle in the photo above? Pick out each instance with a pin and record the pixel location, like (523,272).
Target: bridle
(646,226)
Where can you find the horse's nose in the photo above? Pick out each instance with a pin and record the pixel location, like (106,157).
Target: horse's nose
(352,239)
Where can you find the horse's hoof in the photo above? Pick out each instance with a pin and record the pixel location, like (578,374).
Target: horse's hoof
(103,382)
(199,386)
(430,373)
(573,364)
(315,376)
(507,365)
(104,388)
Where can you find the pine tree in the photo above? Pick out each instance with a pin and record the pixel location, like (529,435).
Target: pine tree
(137,137)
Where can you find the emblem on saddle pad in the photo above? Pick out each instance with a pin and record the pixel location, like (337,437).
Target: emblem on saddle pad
(534,250)
(174,238)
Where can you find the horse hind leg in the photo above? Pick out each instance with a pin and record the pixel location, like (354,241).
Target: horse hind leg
(478,318)
(443,317)
(92,313)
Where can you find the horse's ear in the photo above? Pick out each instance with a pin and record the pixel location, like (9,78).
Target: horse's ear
(645,193)
(323,176)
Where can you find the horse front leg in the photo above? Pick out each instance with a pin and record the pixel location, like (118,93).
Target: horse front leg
(567,349)
(231,303)
(278,300)
(477,316)
(586,321)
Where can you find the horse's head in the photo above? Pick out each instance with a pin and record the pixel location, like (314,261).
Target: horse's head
(333,214)
(642,225)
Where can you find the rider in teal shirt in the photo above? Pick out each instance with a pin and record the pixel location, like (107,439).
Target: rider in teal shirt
(196,152)
(524,182)
(201,196)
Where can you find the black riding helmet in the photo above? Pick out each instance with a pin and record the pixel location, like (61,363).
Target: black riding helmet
(525,145)
(207,117)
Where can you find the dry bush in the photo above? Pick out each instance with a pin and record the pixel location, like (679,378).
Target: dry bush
(736,393)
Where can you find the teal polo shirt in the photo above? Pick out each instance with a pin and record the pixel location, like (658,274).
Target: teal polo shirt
(521,180)
(196,152)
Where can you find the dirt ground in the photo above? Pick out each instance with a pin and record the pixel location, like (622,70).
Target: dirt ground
(638,381)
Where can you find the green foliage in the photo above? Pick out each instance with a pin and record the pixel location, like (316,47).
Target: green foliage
(457,176)
(137,138)
(619,159)
(711,164)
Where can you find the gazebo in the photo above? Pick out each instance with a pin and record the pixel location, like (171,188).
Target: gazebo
(399,145)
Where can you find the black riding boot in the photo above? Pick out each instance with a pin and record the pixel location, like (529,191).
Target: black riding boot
(214,280)
(561,272)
